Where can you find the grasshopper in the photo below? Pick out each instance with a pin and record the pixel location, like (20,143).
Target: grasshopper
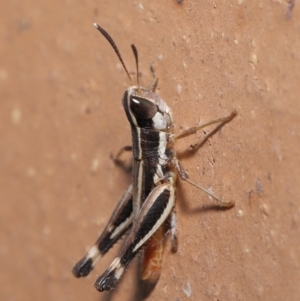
(148,203)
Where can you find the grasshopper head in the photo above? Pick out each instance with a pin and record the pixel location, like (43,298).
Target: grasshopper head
(146,109)
(143,107)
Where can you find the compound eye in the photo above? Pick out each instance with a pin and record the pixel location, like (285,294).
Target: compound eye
(142,108)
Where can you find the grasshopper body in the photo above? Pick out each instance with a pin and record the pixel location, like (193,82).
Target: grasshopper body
(149,201)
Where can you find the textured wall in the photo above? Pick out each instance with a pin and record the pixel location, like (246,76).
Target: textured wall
(61,117)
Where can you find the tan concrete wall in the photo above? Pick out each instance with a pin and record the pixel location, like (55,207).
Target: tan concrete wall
(61,117)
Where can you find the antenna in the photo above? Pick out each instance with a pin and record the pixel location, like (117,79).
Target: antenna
(114,46)
(135,52)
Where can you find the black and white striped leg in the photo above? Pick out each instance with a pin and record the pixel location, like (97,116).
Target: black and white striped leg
(173,229)
(154,212)
(119,223)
